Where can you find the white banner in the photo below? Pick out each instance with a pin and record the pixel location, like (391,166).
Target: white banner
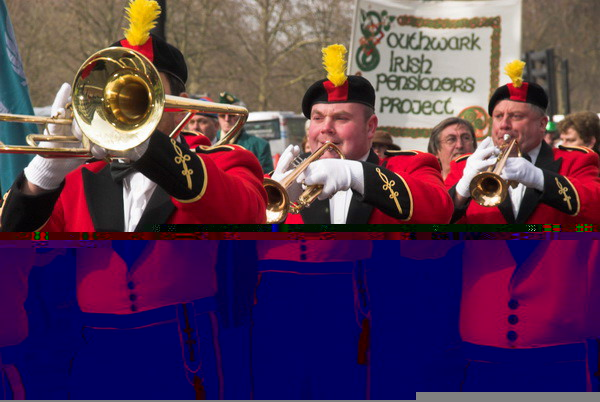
(429,60)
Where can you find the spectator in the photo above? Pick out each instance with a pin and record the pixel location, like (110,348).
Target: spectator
(552,135)
(382,141)
(451,138)
(580,129)
(205,123)
(252,143)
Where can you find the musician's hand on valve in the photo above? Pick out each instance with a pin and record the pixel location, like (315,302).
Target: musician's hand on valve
(48,173)
(484,157)
(285,167)
(524,172)
(335,175)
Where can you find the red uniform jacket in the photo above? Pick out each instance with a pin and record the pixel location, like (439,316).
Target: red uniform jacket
(407,188)
(166,273)
(552,298)
(209,186)
(571,191)
(314,250)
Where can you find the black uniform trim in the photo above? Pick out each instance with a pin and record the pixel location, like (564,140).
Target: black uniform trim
(560,193)
(174,167)
(317,213)
(462,158)
(27,213)
(191,133)
(458,212)
(157,212)
(585,150)
(394,152)
(387,191)
(104,199)
(203,149)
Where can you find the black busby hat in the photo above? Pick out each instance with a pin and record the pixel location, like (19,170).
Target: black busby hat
(337,87)
(141,15)
(518,90)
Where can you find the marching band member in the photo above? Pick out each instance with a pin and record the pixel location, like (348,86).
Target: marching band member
(408,188)
(166,182)
(18,258)
(150,327)
(311,320)
(557,185)
(529,315)
(17,263)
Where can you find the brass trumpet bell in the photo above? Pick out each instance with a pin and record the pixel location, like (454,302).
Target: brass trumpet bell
(118,100)
(488,188)
(279,204)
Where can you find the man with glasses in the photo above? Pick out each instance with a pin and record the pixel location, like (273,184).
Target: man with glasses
(451,139)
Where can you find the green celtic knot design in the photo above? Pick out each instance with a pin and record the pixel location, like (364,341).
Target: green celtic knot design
(372,26)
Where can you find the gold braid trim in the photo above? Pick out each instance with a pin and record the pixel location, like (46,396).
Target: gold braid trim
(568,198)
(387,185)
(181,159)
(562,190)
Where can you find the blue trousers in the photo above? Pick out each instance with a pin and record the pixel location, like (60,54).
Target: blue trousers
(166,353)
(11,384)
(306,331)
(560,368)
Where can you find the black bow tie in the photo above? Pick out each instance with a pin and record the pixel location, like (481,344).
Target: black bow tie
(120,170)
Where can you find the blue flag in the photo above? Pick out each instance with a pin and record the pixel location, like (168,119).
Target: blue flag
(14,99)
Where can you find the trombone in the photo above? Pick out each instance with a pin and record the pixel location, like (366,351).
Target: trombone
(488,188)
(118,99)
(279,204)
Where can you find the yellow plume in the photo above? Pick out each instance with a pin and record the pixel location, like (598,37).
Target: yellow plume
(142,15)
(335,64)
(514,70)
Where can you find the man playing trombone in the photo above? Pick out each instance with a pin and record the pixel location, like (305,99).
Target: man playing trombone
(358,189)
(555,185)
(166,181)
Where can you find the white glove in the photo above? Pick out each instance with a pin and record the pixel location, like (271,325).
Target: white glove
(523,171)
(335,175)
(48,173)
(476,163)
(284,168)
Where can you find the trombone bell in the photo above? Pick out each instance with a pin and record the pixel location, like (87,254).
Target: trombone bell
(118,98)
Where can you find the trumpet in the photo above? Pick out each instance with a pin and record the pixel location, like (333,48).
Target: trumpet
(279,204)
(488,188)
(118,99)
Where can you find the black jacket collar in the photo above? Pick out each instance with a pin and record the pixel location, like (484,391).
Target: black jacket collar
(105,203)
(531,199)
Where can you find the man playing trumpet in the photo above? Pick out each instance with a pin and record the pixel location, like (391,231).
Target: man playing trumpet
(559,185)
(167,181)
(359,189)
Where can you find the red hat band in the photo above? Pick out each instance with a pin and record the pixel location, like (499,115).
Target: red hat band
(146,49)
(336,94)
(518,94)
